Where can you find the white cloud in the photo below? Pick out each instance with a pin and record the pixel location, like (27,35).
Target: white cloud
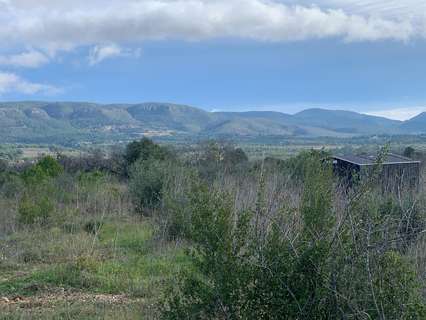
(102,52)
(29,59)
(399,113)
(385,8)
(64,24)
(10,83)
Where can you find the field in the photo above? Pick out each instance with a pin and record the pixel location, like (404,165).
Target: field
(94,260)
(55,273)
(188,232)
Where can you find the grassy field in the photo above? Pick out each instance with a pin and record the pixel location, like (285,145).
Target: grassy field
(102,268)
(255,148)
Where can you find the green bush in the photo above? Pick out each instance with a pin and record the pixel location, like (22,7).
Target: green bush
(11,185)
(147,178)
(398,288)
(143,150)
(93,226)
(35,211)
(3,165)
(214,158)
(215,287)
(46,168)
(174,216)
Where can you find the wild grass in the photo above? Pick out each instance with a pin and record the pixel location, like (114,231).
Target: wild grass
(79,310)
(92,246)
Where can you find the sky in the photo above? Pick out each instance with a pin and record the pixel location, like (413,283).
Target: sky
(229,55)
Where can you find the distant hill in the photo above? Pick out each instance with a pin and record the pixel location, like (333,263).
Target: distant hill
(346,121)
(79,122)
(170,116)
(416,124)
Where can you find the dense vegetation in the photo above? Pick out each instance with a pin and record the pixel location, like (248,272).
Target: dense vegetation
(155,233)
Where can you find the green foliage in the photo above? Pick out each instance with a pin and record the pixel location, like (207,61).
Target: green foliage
(31,211)
(398,288)
(246,267)
(91,178)
(82,310)
(270,241)
(216,158)
(144,149)
(147,171)
(236,276)
(297,165)
(10,184)
(405,218)
(215,288)
(175,216)
(46,168)
(3,165)
(146,183)
(316,208)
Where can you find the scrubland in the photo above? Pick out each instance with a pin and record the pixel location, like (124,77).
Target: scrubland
(150,233)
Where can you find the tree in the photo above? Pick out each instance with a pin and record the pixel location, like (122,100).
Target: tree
(409,152)
(143,150)
(47,167)
(3,165)
(215,157)
(146,183)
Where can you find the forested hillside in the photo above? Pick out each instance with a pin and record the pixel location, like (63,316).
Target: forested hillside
(74,123)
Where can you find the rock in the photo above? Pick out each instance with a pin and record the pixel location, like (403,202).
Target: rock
(17,299)
(4,300)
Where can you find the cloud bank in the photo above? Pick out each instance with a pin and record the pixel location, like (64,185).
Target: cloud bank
(109,27)
(66,24)
(384,8)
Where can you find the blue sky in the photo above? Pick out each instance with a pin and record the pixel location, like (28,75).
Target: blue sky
(233,55)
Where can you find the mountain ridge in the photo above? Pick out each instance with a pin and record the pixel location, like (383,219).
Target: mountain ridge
(55,122)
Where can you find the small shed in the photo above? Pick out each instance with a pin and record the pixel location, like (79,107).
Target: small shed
(397,172)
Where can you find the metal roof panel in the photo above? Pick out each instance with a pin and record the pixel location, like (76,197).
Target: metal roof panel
(366,160)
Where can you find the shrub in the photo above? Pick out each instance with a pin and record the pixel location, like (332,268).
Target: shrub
(143,150)
(409,152)
(35,211)
(146,183)
(214,289)
(11,184)
(46,168)
(398,293)
(93,226)
(174,216)
(3,165)
(215,158)
(246,267)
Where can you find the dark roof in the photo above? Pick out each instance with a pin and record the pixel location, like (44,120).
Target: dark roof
(368,160)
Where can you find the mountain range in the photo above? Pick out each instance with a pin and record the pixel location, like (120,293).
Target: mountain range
(72,122)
